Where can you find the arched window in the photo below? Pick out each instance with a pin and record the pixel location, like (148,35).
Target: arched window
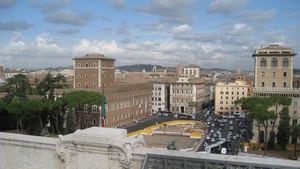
(86,85)
(79,76)
(274,62)
(263,62)
(285,62)
(86,65)
(94,122)
(78,65)
(221,92)
(86,76)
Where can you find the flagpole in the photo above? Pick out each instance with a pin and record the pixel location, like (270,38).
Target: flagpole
(103,114)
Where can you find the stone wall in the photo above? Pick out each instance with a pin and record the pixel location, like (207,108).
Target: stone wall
(109,148)
(91,148)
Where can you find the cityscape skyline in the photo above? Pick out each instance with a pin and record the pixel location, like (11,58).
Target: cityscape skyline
(212,34)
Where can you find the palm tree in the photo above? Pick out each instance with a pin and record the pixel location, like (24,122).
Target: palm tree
(295,133)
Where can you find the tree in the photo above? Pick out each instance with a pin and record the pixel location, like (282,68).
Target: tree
(16,108)
(78,99)
(49,83)
(7,119)
(278,101)
(265,115)
(295,133)
(16,86)
(283,133)
(56,112)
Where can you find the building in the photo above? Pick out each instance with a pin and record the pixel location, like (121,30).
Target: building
(12,72)
(160,96)
(187,95)
(124,104)
(93,70)
(273,66)
(228,92)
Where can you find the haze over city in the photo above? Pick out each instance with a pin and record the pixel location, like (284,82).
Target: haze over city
(211,34)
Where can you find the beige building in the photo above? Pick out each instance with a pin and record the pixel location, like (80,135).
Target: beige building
(187,95)
(273,67)
(228,92)
(93,70)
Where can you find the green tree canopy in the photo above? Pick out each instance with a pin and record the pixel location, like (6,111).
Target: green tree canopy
(283,133)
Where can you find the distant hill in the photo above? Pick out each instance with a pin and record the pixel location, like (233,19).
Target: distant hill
(138,67)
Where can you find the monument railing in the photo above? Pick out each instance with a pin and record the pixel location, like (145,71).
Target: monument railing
(109,148)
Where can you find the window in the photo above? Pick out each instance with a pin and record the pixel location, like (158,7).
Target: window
(86,85)
(79,76)
(284,84)
(274,74)
(79,85)
(194,71)
(285,62)
(94,109)
(86,65)
(295,112)
(273,84)
(86,108)
(85,121)
(221,108)
(227,92)
(86,76)
(274,62)
(284,74)
(94,122)
(262,74)
(78,65)
(272,121)
(94,64)
(295,104)
(221,92)
(262,84)
(94,76)
(191,72)
(263,62)
(186,72)
(221,102)
(294,122)
(226,97)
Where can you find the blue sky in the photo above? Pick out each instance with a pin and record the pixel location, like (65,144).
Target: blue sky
(211,34)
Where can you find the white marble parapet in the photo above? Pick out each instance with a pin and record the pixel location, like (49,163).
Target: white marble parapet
(276,89)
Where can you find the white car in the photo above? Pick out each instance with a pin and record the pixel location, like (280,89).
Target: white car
(213,139)
(211,130)
(234,137)
(207,137)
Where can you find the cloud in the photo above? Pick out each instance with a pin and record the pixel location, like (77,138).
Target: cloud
(48,7)
(252,16)
(5,4)
(291,15)
(68,31)
(225,7)
(123,29)
(126,40)
(119,4)
(180,29)
(69,17)
(15,25)
(238,29)
(169,10)
(42,52)
(86,46)
(154,26)
(199,37)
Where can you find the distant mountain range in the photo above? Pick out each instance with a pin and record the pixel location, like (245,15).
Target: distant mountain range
(129,68)
(147,67)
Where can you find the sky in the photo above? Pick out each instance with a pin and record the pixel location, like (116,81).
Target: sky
(208,33)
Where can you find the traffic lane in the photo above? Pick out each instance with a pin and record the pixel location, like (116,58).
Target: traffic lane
(140,125)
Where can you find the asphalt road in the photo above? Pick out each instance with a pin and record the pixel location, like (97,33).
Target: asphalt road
(231,145)
(144,123)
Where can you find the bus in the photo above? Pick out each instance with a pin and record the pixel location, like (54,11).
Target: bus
(166,113)
(186,116)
